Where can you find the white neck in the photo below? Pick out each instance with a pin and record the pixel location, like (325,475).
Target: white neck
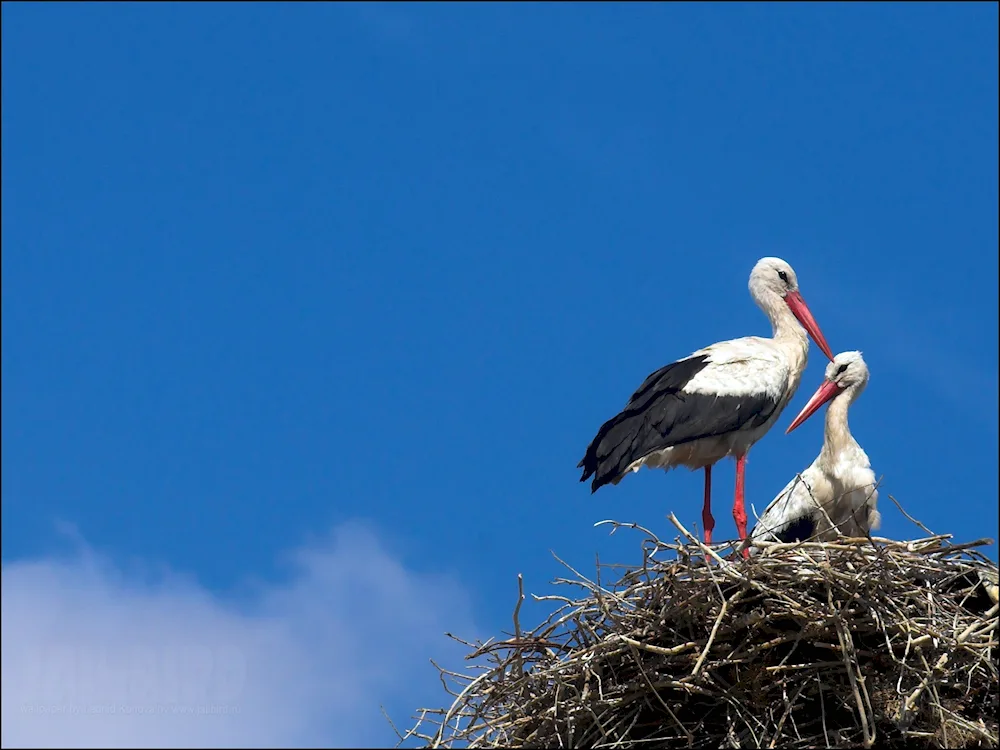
(837,436)
(786,331)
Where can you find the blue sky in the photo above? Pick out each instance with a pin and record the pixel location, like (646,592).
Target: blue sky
(310,304)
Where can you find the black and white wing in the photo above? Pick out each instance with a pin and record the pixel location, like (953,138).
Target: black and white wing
(725,388)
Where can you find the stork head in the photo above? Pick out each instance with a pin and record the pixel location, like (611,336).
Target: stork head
(846,373)
(772,283)
(848,370)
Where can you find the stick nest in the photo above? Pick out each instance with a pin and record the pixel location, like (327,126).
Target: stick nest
(843,644)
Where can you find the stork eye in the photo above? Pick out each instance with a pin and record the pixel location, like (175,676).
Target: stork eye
(783,276)
(840,370)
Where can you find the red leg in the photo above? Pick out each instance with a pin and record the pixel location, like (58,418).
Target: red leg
(739,510)
(706,511)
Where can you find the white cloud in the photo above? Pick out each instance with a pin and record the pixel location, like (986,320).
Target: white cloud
(95,658)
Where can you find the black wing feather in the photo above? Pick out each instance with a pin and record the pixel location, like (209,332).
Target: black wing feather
(660,415)
(799,529)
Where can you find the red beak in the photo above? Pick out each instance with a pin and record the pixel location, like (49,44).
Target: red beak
(800,310)
(827,390)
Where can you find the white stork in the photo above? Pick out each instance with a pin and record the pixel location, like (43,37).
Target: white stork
(717,402)
(836,494)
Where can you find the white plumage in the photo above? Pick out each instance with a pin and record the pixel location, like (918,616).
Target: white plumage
(716,402)
(749,371)
(836,494)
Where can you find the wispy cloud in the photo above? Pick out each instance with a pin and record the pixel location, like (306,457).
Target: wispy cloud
(93,657)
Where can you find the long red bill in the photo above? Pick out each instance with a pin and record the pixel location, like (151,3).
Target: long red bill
(800,310)
(824,393)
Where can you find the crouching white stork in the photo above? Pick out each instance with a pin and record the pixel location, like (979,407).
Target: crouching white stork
(717,402)
(836,494)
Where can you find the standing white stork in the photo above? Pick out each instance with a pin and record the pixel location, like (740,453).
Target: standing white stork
(836,494)
(717,402)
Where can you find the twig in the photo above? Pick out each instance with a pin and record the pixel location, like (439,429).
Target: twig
(517,621)
(911,518)
(715,630)
(672,651)
(655,692)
